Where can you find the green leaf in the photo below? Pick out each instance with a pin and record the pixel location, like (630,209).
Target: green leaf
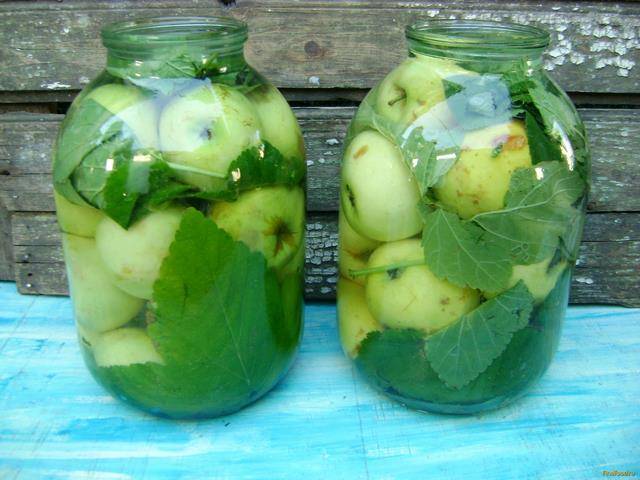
(259,167)
(216,304)
(136,187)
(427,162)
(87,125)
(541,147)
(463,350)
(90,176)
(459,252)
(537,213)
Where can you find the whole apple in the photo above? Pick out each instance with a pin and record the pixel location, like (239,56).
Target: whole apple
(269,220)
(133,257)
(378,192)
(125,346)
(479,179)
(413,297)
(279,126)
(98,304)
(414,88)
(206,128)
(355,321)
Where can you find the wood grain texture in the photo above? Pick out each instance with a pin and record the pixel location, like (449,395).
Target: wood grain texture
(55,46)
(607,271)
(322,421)
(26,141)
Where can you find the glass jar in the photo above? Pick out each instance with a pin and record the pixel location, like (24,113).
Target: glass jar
(179,184)
(463,191)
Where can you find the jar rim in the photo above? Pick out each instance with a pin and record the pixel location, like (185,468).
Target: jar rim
(161,31)
(478,35)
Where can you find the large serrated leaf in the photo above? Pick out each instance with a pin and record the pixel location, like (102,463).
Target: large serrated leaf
(458,251)
(463,350)
(537,213)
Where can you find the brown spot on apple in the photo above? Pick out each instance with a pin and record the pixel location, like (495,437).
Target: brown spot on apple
(515,142)
(361,151)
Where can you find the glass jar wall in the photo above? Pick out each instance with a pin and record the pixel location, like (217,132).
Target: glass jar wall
(179,175)
(463,191)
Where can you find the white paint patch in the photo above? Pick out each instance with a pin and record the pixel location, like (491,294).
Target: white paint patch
(54,85)
(313,80)
(332,141)
(587,280)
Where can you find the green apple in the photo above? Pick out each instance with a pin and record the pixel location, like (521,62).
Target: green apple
(414,88)
(354,319)
(351,240)
(125,346)
(354,249)
(413,297)
(138,110)
(279,126)
(204,129)
(87,336)
(76,219)
(98,304)
(133,257)
(378,192)
(269,220)
(538,277)
(480,178)
(295,266)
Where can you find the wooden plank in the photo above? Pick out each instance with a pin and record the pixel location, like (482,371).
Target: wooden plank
(55,46)
(26,142)
(608,269)
(6,255)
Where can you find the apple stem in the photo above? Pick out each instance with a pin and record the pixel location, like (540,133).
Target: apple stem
(386,268)
(200,171)
(393,101)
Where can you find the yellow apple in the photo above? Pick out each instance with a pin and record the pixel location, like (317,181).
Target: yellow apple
(414,88)
(480,178)
(279,126)
(76,219)
(413,297)
(133,257)
(354,249)
(354,319)
(538,277)
(125,346)
(378,193)
(204,129)
(97,303)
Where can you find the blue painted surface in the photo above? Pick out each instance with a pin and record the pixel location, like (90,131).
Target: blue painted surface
(322,421)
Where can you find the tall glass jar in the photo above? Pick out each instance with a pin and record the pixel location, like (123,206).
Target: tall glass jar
(463,190)
(179,175)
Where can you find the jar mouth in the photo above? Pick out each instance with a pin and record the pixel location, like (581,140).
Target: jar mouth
(162,31)
(477,37)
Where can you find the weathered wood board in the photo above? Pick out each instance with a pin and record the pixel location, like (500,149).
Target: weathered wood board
(607,270)
(26,141)
(55,46)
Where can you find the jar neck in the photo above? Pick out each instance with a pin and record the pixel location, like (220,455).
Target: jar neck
(175,47)
(479,45)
